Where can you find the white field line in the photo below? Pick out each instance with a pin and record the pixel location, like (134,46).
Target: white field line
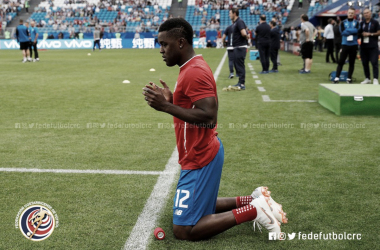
(78,171)
(261,89)
(220,66)
(143,229)
(267,99)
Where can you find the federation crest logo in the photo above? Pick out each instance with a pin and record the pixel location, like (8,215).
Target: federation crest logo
(36,221)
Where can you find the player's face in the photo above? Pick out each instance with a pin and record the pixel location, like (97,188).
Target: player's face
(232,15)
(169,49)
(350,14)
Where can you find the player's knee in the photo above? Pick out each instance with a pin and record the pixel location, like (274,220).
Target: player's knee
(182,232)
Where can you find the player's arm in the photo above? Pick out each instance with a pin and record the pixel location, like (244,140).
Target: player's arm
(244,34)
(204,113)
(315,33)
(349,31)
(377,33)
(35,38)
(307,33)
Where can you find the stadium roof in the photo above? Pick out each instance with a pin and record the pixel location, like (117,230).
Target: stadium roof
(339,8)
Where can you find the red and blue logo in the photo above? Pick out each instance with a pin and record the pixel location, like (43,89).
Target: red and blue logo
(37,222)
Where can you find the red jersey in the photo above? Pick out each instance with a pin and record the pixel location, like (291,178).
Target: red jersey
(219,35)
(202,33)
(196,146)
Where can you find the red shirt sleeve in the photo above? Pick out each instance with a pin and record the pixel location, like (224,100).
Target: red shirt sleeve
(201,85)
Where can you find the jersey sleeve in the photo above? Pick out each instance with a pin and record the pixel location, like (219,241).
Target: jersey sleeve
(201,85)
(240,25)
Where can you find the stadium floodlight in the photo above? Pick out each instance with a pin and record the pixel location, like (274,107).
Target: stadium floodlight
(350,3)
(360,4)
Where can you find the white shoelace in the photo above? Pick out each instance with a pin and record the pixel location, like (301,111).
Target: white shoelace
(258,226)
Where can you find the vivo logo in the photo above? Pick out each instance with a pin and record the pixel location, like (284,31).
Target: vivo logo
(78,44)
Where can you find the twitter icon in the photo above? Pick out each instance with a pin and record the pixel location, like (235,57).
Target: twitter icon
(291,236)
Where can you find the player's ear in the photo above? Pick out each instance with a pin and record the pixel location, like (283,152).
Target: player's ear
(181,42)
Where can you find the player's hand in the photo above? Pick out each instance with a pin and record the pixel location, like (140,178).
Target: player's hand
(165,91)
(366,34)
(155,98)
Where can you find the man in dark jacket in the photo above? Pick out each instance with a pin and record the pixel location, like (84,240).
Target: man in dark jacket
(263,43)
(274,45)
(337,39)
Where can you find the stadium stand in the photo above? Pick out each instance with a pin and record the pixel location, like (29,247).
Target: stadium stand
(68,18)
(316,6)
(9,10)
(202,14)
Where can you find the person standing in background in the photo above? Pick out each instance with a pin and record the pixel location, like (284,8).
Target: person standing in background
(274,45)
(278,26)
(219,40)
(240,44)
(27,6)
(369,32)
(337,39)
(227,36)
(263,43)
(319,40)
(329,40)
(202,38)
(349,29)
(96,38)
(22,36)
(33,41)
(308,32)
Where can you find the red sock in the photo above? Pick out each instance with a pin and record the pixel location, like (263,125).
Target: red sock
(244,214)
(242,201)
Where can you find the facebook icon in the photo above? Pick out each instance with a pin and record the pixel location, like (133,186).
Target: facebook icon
(272,236)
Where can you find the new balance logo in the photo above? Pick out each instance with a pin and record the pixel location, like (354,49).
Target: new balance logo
(178,212)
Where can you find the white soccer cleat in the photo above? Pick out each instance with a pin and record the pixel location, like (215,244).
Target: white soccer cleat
(375,81)
(366,81)
(260,191)
(231,88)
(265,217)
(275,207)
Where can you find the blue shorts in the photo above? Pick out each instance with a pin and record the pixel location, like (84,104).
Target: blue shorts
(197,192)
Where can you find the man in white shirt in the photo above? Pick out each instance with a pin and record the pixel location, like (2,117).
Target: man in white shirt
(329,40)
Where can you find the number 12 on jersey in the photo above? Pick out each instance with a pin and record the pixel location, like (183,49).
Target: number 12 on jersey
(181,200)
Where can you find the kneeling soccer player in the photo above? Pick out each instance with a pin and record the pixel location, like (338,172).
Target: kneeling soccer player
(197,212)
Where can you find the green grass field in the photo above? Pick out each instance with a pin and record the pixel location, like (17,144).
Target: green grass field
(325,178)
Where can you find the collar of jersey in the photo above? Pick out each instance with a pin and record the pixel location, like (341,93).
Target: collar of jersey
(189,61)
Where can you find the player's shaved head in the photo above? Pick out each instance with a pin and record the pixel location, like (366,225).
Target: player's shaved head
(177,28)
